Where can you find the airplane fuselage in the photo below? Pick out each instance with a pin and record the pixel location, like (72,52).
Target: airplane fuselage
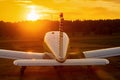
(57,42)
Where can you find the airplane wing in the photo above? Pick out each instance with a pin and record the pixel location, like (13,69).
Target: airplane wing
(101,53)
(53,62)
(20,55)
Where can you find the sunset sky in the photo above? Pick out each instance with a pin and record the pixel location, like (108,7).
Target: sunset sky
(22,10)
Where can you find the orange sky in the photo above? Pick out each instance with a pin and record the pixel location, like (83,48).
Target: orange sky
(19,10)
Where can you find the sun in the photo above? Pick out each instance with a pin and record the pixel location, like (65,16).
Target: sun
(33,15)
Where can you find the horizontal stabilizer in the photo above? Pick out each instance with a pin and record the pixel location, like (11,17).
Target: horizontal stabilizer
(68,62)
(101,53)
(20,55)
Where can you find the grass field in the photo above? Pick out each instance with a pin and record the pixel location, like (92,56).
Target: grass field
(79,44)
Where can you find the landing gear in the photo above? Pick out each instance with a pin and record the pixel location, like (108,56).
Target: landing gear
(22,70)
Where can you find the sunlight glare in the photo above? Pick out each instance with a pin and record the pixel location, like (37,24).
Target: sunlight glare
(33,16)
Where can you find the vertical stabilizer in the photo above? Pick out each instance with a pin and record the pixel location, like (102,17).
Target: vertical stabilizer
(57,42)
(61,35)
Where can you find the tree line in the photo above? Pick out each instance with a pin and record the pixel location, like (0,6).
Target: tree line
(86,27)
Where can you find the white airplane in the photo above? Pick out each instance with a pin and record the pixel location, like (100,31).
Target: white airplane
(57,42)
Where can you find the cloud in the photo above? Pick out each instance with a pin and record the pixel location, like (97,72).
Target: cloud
(15,2)
(73,9)
(23,2)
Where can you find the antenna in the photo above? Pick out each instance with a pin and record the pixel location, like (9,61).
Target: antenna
(61,35)
(61,22)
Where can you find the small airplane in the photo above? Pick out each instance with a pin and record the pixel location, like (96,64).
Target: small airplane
(57,43)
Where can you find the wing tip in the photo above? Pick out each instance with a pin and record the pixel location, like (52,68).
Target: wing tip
(107,61)
(15,62)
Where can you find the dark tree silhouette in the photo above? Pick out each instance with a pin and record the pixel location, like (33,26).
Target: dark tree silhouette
(10,30)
